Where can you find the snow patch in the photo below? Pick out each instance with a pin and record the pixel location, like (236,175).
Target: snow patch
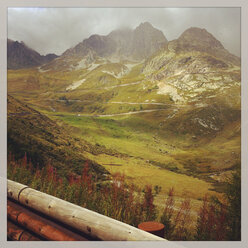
(93,66)
(201,122)
(75,84)
(122,72)
(200,90)
(204,124)
(41,70)
(165,89)
(109,72)
(171,116)
(201,105)
(81,64)
(213,86)
(212,126)
(192,95)
(210,96)
(130,66)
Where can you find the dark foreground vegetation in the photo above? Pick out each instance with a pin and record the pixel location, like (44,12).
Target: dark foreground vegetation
(217,219)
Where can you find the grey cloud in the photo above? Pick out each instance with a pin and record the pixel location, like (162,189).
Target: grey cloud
(53,30)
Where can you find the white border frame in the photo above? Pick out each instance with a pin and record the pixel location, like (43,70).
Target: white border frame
(4,4)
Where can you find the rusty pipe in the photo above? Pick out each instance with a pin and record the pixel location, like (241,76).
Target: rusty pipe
(17,233)
(39,225)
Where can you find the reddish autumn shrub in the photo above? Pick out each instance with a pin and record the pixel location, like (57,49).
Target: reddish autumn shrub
(212,221)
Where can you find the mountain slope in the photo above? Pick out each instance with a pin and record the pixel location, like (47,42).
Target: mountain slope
(196,71)
(21,56)
(201,45)
(45,141)
(196,39)
(194,60)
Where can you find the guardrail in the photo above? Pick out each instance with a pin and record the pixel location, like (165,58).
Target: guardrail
(25,224)
(45,217)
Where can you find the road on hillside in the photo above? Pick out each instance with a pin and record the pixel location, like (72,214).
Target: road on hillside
(127,113)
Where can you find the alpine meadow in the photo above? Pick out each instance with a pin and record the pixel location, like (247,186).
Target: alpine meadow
(129,122)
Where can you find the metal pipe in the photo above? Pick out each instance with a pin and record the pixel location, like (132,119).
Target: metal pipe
(39,225)
(17,233)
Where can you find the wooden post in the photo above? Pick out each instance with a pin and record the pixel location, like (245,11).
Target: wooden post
(91,223)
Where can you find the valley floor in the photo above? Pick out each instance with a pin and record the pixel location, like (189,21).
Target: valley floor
(152,140)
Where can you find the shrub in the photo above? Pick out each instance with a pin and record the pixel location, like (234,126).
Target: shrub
(176,222)
(115,199)
(212,221)
(166,217)
(233,196)
(148,205)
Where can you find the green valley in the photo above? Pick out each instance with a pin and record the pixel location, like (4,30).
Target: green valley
(170,119)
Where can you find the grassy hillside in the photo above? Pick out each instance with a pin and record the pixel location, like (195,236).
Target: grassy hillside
(182,132)
(45,141)
(199,138)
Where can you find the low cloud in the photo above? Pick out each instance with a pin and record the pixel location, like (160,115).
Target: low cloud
(53,30)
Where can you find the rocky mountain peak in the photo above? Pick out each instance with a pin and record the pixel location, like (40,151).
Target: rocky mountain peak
(102,45)
(120,32)
(147,40)
(145,26)
(195,51)
(200,40)
(136,44)
(197,36)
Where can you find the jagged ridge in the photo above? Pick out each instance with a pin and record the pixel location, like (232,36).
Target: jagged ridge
(21,56)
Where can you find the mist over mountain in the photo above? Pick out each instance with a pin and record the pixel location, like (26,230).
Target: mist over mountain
(195,51)
(197,39)
(123,44)
(21,56)
(70,26)
(135,44)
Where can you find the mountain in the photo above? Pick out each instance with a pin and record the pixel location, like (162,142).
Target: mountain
(21,56)
(119,45)
(197,71)
(195,51)
(178,107)
(135,44)
(139,43)
(197,39)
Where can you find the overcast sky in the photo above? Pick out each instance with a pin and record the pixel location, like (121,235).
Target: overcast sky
(53,30)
